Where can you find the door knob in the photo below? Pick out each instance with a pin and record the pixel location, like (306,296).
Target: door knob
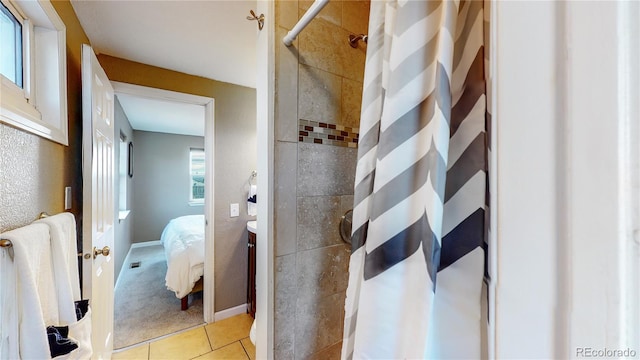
(104,251)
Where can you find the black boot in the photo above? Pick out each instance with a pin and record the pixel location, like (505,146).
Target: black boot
(82,306)
(62,330)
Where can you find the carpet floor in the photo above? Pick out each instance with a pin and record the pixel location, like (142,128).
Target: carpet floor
(144,309)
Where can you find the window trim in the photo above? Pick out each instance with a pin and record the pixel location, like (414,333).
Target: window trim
(40,106)
(25,33)
(123,176)
(192,201)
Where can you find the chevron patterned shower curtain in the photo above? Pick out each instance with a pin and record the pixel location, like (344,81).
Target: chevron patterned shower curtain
(418,244)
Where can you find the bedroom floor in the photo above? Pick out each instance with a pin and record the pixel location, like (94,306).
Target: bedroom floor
(144,309)
(225,339)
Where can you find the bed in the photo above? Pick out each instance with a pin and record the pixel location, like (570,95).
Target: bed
(183,241)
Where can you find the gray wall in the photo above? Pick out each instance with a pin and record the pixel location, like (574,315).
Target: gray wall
(236,152)
(161,181)
(161,186)
(318,80)
(235,158)
(123,228)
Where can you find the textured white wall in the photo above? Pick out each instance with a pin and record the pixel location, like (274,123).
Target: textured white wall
(31,177)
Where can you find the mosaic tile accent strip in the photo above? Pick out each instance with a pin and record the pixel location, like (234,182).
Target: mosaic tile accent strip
(327,134)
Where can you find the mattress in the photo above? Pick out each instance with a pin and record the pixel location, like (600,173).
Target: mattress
(183,241)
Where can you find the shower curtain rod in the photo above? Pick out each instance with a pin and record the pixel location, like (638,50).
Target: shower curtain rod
(304,21)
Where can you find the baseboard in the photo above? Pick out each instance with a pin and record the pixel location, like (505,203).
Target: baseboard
(126,258)
(227,313)
(124,263)
(146,243)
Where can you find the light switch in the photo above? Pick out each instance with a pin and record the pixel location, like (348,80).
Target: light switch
(67,198)
(234,210)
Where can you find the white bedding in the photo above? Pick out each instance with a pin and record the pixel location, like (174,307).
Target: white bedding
(183,241)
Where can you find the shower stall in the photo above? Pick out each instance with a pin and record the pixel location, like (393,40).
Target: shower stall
(317,112)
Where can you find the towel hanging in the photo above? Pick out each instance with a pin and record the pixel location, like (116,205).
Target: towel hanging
(65,263)
(252,208)
(38,288)
(32,266)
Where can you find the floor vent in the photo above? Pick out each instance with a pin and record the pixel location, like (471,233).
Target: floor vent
(134,265)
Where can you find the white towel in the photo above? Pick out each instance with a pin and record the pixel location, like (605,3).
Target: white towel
(62,228)
(80,332)
(252,208)
(36,299)
(8,307)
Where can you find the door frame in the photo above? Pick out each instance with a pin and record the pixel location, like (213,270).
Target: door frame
(209,199)
(265,113)
(564,248)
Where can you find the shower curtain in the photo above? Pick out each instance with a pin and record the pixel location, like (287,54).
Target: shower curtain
(419,234)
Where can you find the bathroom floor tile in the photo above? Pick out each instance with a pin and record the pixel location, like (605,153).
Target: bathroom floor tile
(186,345)
(137,353)
(226,331)
(249,348)
(233,351)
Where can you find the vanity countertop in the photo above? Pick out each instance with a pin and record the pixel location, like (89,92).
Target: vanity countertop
(252,226)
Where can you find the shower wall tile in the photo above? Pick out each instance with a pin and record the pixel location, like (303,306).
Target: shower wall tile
(326,170)
(354,63)
(328,134)
(351,103)
(332,12)
(325,46)
(318,85)
(318,220)
(333,352)
(355,17)
(322,271)
(319,95)
(319,46)
(287,13)
(286,85)
(285,306)
(346,203)
(286,159)
(318,324)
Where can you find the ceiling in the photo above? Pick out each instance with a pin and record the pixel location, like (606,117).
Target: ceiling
(209,38)
(163,116)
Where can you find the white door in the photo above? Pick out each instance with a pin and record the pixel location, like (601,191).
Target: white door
(98,212)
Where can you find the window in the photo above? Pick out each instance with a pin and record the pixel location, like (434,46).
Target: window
(196,174)
(11,40)
(33,68)
(123,176)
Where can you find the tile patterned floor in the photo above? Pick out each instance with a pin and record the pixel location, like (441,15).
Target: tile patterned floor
(224,339)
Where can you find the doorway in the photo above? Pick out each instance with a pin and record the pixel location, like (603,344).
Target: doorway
(163,149)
